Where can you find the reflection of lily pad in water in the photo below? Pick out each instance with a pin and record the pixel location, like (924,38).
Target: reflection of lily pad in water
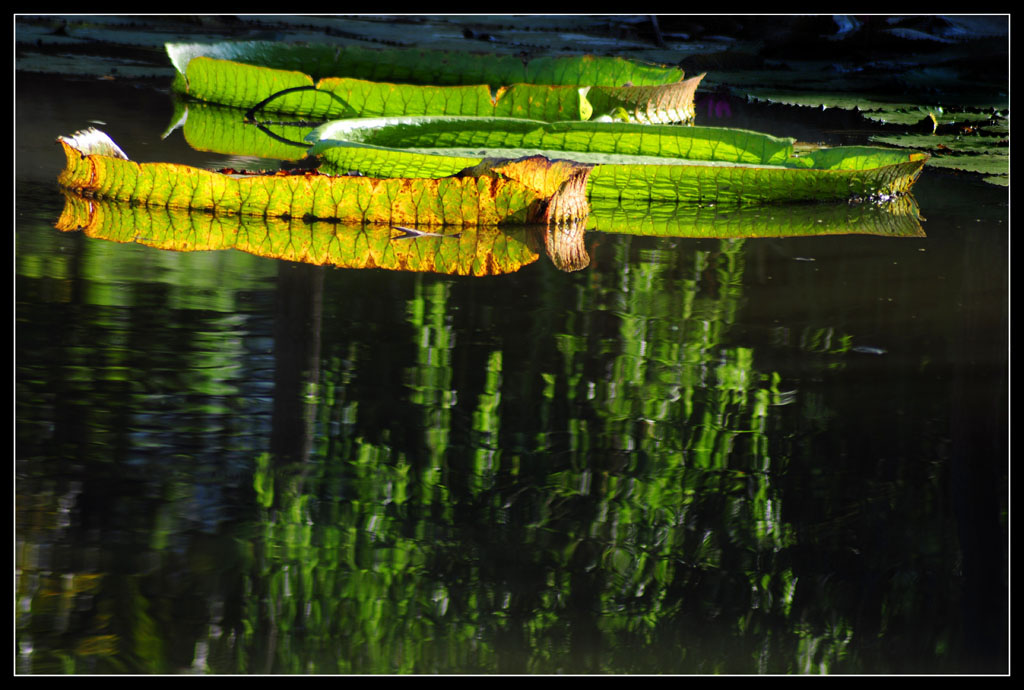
(479,251)
(470,251)
(219,129)
(897,218)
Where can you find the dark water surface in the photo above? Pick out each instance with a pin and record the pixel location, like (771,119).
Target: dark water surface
(695,456)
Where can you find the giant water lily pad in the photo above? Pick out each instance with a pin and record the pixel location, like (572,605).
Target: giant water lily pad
(97,167)
(934,102)
(980,151)
(558,95)
(548,195)
(698,165)
(455,187)
(434,67)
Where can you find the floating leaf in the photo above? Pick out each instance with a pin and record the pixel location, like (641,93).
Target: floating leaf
(415,66)
(986,164)
(910,115)
(295,94)
(657,162)
(951,90)
(472,139)
(937,143)
(489,198)
(987,155)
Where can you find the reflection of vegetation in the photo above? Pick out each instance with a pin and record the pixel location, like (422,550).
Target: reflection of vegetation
(596,486)
(208,127)
(383,565)
(138,392)
(602,484)
(363,552)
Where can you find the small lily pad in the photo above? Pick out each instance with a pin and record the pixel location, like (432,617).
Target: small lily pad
(979,154)
(985,163)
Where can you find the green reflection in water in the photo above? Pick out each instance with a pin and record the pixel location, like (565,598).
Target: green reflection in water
(594,485)
(468,557)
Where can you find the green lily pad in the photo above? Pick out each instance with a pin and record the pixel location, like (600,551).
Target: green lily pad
(691,164)
(969,153)
(431,67)
(262,89)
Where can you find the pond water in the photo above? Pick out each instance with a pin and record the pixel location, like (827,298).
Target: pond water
(694,456)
